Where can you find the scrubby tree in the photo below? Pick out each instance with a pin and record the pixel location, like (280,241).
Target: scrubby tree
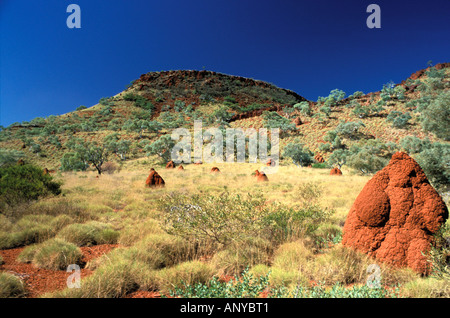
(398,119)
(435,161)
(436,117)
(275,120)
(370,156)
(162,147)
(349,129)
(71,161)
(299,154)
(338,157)
(304,108)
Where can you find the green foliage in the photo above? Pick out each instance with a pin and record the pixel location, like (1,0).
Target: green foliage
(139,101)
(349,129)
(25,183)
(222,219)
(434,160)
(414,145)
(435,117)
(92,153)
(274,120)
(161,147)
(252,107)
(304,108)
(370,156)
(356,94)
(338,157)
(10,156)
(299,154)
(335,96)
(230,219)
(398,119)
(390,91)
(244,286)
(71,161)
(247,285)
(81,108)
(119,147)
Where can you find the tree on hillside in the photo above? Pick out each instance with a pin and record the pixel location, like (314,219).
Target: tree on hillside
(10,156)
(398,119)
(304,108)
(436,117)
(117,146)
(338,158)
(433,158)
(275,120)
(162,147)
(299,154)
(370,156)
(85,153)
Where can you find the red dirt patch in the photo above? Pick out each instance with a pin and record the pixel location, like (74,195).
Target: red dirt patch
(143,294)
(39,281)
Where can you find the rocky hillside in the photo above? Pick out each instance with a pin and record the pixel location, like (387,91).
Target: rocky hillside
(158,102)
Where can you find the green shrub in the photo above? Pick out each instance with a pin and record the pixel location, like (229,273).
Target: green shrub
(11,286)
(25,183)
(242,286)
(222,219)
(54,254)
(398,119)
(299,154)
(436,117)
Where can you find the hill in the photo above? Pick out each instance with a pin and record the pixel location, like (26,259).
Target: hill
(157,102)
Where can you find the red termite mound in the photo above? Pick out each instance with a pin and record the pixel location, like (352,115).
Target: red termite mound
(170,165)
(319,158)
(215,169)
(180,167)
(154,180)
(395,216)
(260,176)
(336,172)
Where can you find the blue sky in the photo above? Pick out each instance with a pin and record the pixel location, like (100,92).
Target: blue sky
(310,47)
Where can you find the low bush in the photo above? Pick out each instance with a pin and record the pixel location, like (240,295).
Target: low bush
(11,286)
(25,183)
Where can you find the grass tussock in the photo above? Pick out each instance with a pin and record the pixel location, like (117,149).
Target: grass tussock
(11,286)
(54,254)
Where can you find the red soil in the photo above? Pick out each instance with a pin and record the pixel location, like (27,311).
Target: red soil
(39,281)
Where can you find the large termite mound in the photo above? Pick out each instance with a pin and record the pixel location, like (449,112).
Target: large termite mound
(395,216)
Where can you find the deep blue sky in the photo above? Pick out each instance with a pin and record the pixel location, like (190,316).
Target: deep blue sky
(310,47)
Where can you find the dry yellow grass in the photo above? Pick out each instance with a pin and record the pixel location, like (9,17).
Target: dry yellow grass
(122,200)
